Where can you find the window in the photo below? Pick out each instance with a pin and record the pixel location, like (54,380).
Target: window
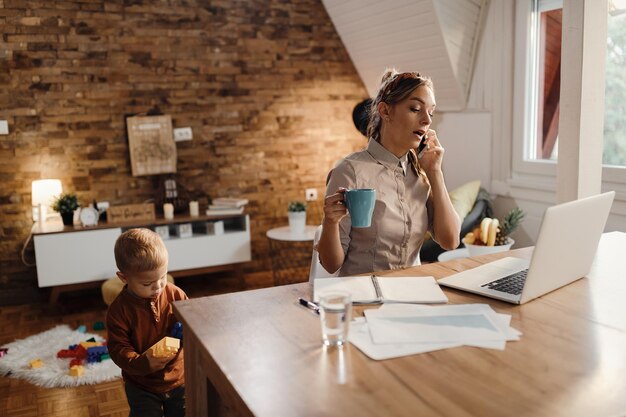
(615,92)
(547,85)
(538,45)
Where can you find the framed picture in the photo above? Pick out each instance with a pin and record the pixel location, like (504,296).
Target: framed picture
(151,144)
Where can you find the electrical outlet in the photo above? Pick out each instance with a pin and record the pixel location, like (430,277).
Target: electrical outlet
(182,133)
(310,194)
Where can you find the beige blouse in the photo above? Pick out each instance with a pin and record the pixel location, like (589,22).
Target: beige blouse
(402,213)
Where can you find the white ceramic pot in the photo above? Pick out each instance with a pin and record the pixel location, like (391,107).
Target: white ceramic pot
(476,250)
(297,221)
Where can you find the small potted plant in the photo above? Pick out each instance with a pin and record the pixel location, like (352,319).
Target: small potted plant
(66,204)
(297,216)
(493,235)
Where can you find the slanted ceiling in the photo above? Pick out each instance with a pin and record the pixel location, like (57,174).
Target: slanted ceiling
(438,38)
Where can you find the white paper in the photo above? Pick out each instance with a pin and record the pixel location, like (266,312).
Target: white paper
(361,288)
(411,290)
(394,289)
(465,324)
(360,334)
(360,337)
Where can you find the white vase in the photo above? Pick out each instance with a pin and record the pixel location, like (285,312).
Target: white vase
(297,221)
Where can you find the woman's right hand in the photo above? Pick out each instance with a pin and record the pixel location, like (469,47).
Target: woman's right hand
(335,207)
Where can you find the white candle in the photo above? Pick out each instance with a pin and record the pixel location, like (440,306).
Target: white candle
(194,209)
(168,211)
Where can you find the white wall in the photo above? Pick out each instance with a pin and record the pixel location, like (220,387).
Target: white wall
(466,137)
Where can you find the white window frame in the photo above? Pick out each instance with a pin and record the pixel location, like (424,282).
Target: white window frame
(537,174)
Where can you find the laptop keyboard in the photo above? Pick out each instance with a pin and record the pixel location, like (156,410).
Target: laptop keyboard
(511,284)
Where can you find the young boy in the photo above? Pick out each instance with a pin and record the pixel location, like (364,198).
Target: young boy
(141,315)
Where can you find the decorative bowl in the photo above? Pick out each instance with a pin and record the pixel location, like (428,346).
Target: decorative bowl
(477,250)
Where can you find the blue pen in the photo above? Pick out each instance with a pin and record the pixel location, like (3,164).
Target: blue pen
(310,305)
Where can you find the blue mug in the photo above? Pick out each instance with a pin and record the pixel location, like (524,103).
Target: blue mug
(360,203)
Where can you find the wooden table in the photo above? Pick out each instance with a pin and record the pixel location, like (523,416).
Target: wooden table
(259,353)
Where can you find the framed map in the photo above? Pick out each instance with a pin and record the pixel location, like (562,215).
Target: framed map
(152,147)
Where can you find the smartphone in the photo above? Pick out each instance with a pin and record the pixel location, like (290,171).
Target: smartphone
(421,146)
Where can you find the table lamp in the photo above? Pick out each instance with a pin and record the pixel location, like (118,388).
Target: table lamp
(43,194)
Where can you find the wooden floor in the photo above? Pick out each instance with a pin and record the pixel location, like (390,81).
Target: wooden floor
(20,398)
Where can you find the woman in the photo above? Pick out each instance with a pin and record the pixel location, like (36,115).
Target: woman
(411,195)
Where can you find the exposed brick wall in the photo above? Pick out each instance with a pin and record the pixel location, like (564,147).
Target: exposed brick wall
(266,86)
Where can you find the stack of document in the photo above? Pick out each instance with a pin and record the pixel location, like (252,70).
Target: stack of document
(226,205)
(396,330)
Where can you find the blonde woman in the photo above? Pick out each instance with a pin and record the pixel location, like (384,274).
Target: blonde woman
(411,195)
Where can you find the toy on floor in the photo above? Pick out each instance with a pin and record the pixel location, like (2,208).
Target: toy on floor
(3,351)
(90,350)
(36,363)
(82,328)
(98,325)
(77,370)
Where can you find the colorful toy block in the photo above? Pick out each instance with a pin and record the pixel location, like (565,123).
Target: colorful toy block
(165,347)
(36,363)
(98,325)
(75,351)
(77,370)
(94,354)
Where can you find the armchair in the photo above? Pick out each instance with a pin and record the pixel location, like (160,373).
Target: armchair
(482,208)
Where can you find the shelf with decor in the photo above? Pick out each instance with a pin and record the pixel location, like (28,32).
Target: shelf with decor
(69,257)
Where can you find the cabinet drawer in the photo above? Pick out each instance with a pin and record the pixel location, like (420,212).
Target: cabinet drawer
(71,258)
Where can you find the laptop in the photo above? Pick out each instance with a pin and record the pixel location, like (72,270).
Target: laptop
(565,249)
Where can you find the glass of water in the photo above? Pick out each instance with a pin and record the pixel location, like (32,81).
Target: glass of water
(335,315)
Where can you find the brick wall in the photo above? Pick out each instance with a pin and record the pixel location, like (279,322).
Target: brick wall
(266,86)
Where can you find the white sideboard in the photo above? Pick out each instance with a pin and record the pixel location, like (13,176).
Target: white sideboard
(68,255)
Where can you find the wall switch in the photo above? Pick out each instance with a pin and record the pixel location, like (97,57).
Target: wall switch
(182,133)
(4,127)
(310,194)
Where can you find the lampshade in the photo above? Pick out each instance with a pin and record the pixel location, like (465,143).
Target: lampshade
(43,194)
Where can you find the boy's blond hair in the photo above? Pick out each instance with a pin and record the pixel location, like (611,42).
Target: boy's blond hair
(139,250)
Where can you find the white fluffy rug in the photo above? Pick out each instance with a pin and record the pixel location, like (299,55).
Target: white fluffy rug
(54,372)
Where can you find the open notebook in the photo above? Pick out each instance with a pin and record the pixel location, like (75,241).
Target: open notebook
(376,290)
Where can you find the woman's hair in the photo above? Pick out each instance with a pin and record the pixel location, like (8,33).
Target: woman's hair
(394,87)
(139,250)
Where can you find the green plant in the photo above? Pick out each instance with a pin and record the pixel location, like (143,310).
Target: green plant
(508,225)
(296,206)
(65,203)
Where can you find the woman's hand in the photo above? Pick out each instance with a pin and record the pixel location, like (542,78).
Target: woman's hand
(432,156)
(334,207)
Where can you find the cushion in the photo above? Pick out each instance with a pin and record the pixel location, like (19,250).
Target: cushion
(464,197)
(113,286)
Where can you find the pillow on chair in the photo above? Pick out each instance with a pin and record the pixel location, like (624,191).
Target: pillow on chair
(464,197)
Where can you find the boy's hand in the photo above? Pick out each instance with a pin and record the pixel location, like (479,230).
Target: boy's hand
(157,363)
